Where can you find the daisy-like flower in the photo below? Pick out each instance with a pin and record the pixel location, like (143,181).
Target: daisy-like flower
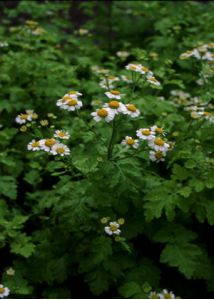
(74,94)
(208,56)
(103,84)
(34,145)
(115,106)
(132,67)
(145,134)
(157,156)
(72,104)
(122,54)
(29,115)
(113,228)
(129,142)
(153,80)
(4,291)
(113,94)
(158,144)
(61,134)
(126,79)
(103,114)
(132,111)
(144,70)
(60,149)
(47,144)
(158,130)
(166,295)
(153,295)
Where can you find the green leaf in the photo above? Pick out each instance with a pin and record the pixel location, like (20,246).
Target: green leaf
(8,187)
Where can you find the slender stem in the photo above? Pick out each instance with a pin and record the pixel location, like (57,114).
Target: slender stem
(111,142)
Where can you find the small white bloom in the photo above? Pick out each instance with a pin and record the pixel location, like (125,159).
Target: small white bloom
(159,130)
(132,111)
(166,295)
(34,145)
(10,271)
(103,114)
(4,291)
(153,295)
(129,142)
(157,156)
(122,54)
(208,56)
(74,94)
(106,85)
(144,70)
(60,149)
(132,67)
(153,80)
(145,134)
(158,144)
(69,104)
(47,144)
(113,228)
(113,94)
(23,118)
(126,79)
(61,134)
(115,106)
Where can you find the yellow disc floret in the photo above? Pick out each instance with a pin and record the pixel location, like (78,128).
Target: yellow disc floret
(114,104)
(50,142)
(102,113)
(72,102)
(113,227)
(115,92)
(146,132)
(130,141)
(158,141)
(131,107)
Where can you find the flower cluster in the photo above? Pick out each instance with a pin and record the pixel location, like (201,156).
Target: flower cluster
(113,227)
(148,74)
(194,105)
(153,136)
(33,28)
(165,294)
(70,101)
(28,116)
(202,53)
(114,107)
(4,291)
(51,145)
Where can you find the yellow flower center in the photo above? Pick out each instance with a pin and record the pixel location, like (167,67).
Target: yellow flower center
(114,104)
(146,132)
(144,69)
(132,67)
(50,142)
(158,154)
(113,227)
(34,116)
(111,77)
(131,107)
(23,116)
(153,79)
(2,290)
(115,92)
(65,98)
(102,113)
(159,142)
(167,296)
(130,141)
(72,92)
(35,144)
(60,150)
(154,296)
(159,130)
(61,134)
(206,113)
(72,102)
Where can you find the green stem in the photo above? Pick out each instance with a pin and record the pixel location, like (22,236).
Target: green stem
(111,143)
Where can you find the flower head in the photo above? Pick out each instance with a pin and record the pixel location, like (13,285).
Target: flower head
(132,67)
(103,114)
(4,291)
(47,144)
(60,149)
(158,144)
(113,228)
(158,130)
(153,80)
(145,134)
(157,156)
(166,295)
(61,134)
(115,106)
(132,110)
(114,94)
(34,145)
(129,142)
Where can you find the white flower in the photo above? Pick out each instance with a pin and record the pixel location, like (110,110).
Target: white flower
(153,80)
(3,44)
(34,145)
(129,142)
(47,144)
(29,115)
(153,295)
(113,228)
(132,67)
(157,156)
(208,56)
(115,106)
(60,149)
(126,79)
(69,103)
(4,291)
(113,94)
(159,130)
(145,134)
(122,54)
(106,85)
(132,111)
(103,114)
(74,94)
(158,144)
(144,70)
(166,295)
(61,134)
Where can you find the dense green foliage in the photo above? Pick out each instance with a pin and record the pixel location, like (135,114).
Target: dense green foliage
(51,236)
